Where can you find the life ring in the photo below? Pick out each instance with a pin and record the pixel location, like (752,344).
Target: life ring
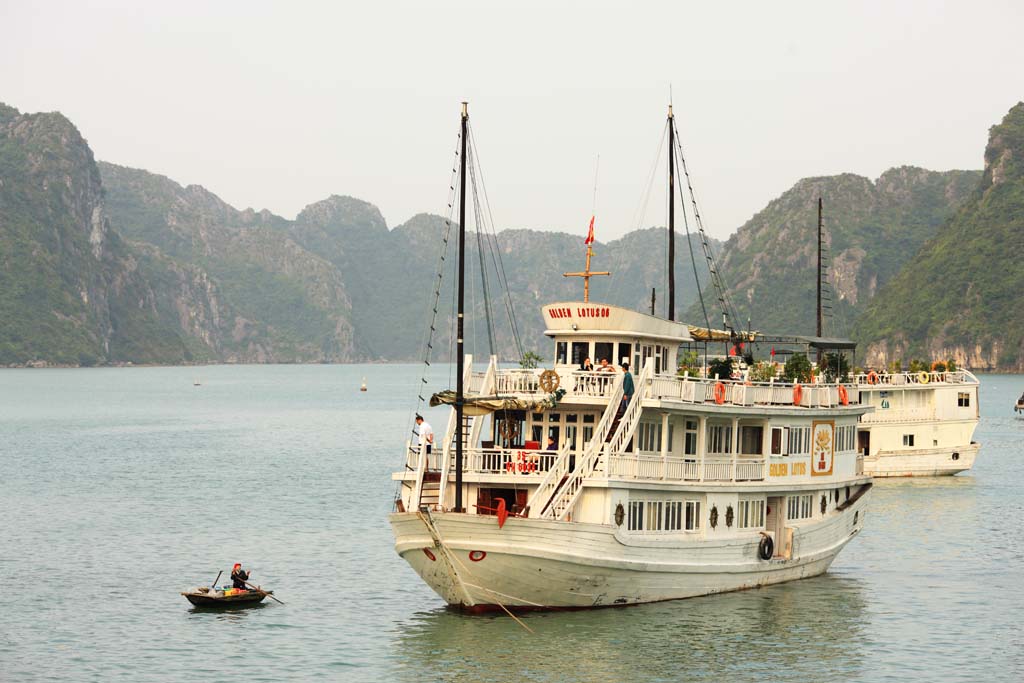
(923,378)
(844,396)
(798,394)
(766,548)
(872,377)
(719,393)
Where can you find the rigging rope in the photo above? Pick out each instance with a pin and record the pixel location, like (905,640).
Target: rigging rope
(478,215)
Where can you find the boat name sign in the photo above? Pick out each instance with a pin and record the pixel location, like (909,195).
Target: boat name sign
(580,312)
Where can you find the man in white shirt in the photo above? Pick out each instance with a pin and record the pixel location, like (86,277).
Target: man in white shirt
(424,432)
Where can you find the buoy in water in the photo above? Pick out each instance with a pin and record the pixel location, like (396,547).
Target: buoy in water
(363,386)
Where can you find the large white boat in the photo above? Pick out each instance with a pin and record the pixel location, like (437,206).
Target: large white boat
(922,425)
(702,486)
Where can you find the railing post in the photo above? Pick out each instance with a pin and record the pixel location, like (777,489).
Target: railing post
(664,445)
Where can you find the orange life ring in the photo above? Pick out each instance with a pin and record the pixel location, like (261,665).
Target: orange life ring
(844,397)
(719,393)
(872,377)
(798,393)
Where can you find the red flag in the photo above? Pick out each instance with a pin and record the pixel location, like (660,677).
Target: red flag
(590,233)
(773,352)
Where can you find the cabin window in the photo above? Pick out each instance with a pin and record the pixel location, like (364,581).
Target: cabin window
(908,439)
(692,515)
(648,437)
(509,429)
(776,440)
(799,441)
(719,438)
(845,437)
(588,419)
(636,515)
(570,436)
(625,351)
(653,516)
(554,417)
(580,351)
(751,439)
(690,440)
(963,399)
(673,515)
(561,350)
(602,351)
(750,514)
(798,507)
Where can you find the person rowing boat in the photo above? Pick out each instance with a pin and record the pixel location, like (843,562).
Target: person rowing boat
(239,576)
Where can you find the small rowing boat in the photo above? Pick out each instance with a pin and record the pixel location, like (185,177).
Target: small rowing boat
(231,597)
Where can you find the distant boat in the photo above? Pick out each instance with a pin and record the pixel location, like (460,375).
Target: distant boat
(363,386)
(1019,405)
(197,382)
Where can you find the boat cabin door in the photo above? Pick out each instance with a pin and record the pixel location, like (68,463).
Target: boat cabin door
(864,442)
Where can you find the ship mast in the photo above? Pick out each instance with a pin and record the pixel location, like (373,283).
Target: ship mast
(671,218)
(818,273)
(459,348)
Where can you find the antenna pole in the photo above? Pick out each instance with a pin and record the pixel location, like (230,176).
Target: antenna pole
(818,271)
(459,348)
(652,300)
(671,217)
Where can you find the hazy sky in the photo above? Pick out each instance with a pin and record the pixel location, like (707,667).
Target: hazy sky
(277,105)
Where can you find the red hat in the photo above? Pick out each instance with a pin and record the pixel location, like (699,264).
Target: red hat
(237,565)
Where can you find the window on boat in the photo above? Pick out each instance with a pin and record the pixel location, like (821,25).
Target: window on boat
(908,439)
(963,399)
(692,515)
(799,441)
(649,437)
(719,438)
(751,439)
(561,350)
(653,515)
(690,440)
(636,515)
(581,350)
(776,440)
(509,428)
(750,514)
(604,350)
(799,507)
(845,438)
(625,351)
(673,515)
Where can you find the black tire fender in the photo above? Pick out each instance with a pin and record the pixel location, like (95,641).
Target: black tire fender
(766,548)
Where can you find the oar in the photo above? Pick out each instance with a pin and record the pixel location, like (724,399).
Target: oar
(214,586)
(261,591)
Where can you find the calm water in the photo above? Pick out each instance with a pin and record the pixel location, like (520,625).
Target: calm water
(122,487)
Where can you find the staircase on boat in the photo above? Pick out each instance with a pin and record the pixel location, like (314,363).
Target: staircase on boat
(560,489)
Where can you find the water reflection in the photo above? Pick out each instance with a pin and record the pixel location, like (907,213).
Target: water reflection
(794,632)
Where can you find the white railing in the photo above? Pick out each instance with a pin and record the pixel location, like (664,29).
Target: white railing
(421,469)
(558,499)
(511,461)
(737,393)
(897,414)
(631,418)
(553,476)
(674,468)
(575,383)
(868,380)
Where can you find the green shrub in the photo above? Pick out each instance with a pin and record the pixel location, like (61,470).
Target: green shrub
(798,368)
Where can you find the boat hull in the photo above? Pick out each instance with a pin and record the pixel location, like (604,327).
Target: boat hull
(929,462)
(540,564)
(250,599)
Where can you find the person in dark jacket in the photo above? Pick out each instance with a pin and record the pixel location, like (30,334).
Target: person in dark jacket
(627,388)
(239,576)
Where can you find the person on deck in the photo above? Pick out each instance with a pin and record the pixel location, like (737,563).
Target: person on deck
(424,433)
(239,576)
(586,365)
(627,388)
(605,366)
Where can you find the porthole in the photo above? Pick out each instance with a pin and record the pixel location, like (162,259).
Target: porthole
(856,514)
(430,554)
(620,514)
(956,456)
(477,555)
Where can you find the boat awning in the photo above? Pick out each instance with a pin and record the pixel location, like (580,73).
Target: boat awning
(828,343)
(483,405)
